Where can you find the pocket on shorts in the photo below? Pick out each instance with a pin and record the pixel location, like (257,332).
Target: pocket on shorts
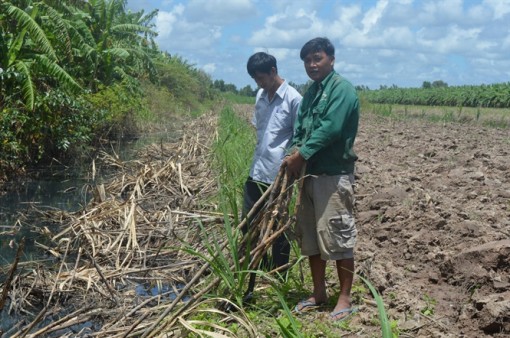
(343,231)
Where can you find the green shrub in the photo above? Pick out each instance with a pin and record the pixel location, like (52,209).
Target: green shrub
(120,106)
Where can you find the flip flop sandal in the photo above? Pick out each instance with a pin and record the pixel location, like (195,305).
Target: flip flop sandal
(349,311)
(306,305)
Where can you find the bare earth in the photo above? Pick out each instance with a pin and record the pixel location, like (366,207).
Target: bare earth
(433,210)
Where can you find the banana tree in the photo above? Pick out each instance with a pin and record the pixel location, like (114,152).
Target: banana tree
(115,45)
(27,57)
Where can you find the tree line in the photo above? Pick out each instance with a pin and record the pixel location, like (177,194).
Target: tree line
(247,90)
(435,93)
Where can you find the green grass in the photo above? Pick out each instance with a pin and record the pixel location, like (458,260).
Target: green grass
(386,330)
(236,98)
(168,111)
(233,153)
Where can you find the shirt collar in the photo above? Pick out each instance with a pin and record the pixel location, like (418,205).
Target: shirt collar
(324,82)
(280,91)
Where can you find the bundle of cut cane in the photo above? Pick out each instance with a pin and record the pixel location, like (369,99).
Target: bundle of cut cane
(269,217)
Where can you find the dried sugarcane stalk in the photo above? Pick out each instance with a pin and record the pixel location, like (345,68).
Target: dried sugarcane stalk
(50,327)
(204,268)
(41,314)
(10,276)
(105,281)
(273,219)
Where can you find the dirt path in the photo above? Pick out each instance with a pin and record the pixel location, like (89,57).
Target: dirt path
(434,225)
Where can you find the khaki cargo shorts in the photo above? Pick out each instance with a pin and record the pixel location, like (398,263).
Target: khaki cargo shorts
(325,223)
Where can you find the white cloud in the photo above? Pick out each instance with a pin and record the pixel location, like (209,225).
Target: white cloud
(500,7)
(273,35)
(453,40)
(281,54)
(165,21)
(209,68)
(373,15)
(441,12)
(300,22)
(506,41)
(177,32)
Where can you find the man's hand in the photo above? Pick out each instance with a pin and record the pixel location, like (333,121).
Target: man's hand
(294,164)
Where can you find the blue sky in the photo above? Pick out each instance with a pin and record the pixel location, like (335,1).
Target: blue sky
(378,42)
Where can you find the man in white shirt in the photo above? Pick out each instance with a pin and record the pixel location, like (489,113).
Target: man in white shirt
(276,108)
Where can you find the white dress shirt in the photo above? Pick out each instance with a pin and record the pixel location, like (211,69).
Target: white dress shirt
(274,122)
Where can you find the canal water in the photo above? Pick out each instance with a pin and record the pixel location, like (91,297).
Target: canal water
(50,187)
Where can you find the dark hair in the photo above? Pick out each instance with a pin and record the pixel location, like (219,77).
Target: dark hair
(317,45)
(261,62)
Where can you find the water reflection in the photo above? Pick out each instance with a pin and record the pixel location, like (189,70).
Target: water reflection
(164,290)
(51,187)
(57,186)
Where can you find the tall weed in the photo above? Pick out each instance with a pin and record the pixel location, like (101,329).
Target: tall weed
(383,317)
(232,157)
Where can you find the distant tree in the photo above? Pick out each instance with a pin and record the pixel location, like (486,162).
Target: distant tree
(247,91)
(231,88)
(219,84)
(439,84)
(301,88)
(426,84)
(224,87)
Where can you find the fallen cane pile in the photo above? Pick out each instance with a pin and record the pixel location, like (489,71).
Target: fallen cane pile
(132,235)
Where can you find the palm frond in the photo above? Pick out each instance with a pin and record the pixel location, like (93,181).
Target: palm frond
(148,18)
(84,32)
(61,28)
(35,31)
(133,28)
(27,85)
(57,72)
(117,52)
(80,45)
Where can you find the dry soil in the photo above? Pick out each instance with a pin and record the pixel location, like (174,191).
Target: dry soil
(433,211)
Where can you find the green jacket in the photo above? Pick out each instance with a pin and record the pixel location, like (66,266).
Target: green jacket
(327,125)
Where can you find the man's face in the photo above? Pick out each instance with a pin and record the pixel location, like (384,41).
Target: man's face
(318,65)
(265,80)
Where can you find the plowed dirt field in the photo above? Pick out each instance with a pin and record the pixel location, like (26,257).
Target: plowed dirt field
(433,211)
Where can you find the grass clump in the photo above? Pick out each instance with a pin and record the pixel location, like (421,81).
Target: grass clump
(233,151)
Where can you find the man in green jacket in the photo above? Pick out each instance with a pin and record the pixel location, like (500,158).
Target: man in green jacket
(323,141)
